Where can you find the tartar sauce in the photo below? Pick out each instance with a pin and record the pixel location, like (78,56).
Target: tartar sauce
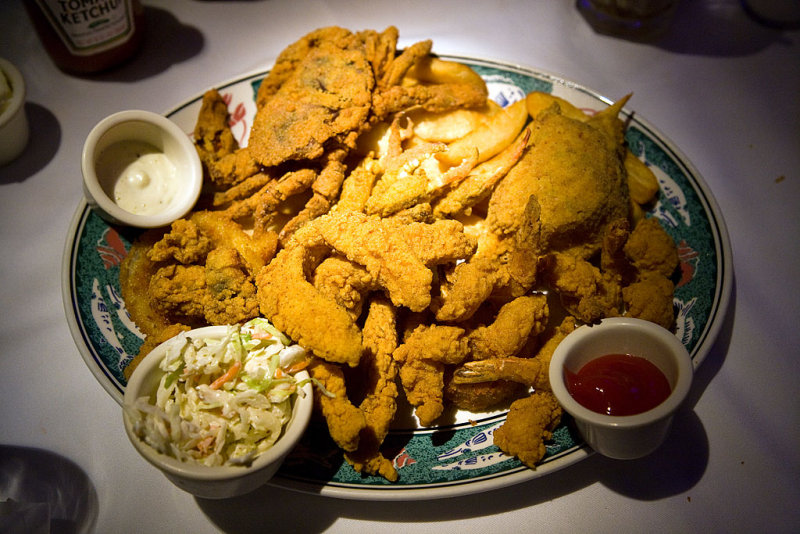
(140,178)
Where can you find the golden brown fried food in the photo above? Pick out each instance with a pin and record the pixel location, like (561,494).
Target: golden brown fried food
(344,282)
(465,286)
(531,372)
(256,251)
(585,291)
(357,187)
(212,135)
(298,309)
(435,98)
(179,293)
(235,198)
(504,267)
(380,400)
(477,185)
(515,323)
(293,55)
(325,189)
(489,138)
(650,248)
(345,421)
(553,337)
(326,98)
(265,205)
(135,273)
(372,243)
(184,243)
(231,289)
(381,49)
(340,205)
(650,298)
(226,163)
(422,358)
(578,181)
(397,255)
(613,260)
(219,151)
(414,177)
(483,396)
(529,423)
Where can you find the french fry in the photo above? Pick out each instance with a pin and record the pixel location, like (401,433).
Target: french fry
(490,138)
(537,101)
(434,70)
(448,126)
(642,183)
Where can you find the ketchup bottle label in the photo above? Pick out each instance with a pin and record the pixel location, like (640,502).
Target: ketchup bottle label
(87,27)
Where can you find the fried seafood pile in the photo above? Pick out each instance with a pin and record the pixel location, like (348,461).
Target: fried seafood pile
(420,241)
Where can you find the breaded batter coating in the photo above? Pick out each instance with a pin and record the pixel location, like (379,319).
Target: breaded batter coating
(650,298)
(344,282)
(397,255)
(231,290)
(400,258)
(345,421)
(515,323)
(327,97)
(179,293)
(380,401)
(184,242)
(579,182)
(422,358)
(219,151)
(650,248)
(588,293)
(529,423)
(298,309)
(135,274)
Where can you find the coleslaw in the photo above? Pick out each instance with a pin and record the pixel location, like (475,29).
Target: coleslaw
(222,401)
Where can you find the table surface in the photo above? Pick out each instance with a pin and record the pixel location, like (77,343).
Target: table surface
(723,87)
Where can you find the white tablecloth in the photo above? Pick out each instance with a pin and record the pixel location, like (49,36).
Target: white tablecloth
(723,87)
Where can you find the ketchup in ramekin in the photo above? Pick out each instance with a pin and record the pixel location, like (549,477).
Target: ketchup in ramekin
(618,384)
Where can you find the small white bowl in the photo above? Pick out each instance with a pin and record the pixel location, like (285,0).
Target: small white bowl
(153,129)
(214,482)
(14,130)
(629,436)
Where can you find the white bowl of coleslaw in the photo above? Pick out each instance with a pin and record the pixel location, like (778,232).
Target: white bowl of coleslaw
(218,409)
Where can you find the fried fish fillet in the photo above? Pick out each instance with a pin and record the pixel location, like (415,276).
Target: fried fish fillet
(296,307)
(380,400)
(345,421)
(398,255)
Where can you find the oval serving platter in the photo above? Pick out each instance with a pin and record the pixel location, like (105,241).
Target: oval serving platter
(449,460)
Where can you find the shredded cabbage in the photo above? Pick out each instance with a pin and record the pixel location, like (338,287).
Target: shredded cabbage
(221,401)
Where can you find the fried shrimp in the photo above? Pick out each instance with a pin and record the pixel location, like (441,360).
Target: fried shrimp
(422,358)
(529,371)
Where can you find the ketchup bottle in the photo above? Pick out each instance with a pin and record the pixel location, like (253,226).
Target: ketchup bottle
(87,36)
